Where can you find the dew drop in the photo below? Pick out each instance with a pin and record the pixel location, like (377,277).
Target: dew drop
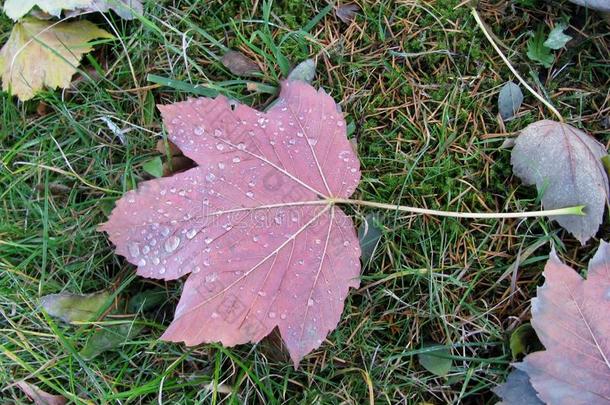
(339,123)
(155,260)
(197,269)
(190,234)
(346,243)
(199,131)
(310,302)
(262,293)
(210,177)
(134,249)
(210,278)
(165,231)
(249,194)
(162,270)
(283,316)
(221,166)
(271,315)
(217,132)
(142,262)
(172,243)
(220,146)
(236,159)
(241,146)
(215,315)
(312,142)
(208,240)
(145,249)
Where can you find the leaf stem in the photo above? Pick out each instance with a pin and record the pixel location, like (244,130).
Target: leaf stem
(577,210)
(481,25)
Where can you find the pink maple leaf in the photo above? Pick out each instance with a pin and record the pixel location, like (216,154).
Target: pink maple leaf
(254,224)
(570,316)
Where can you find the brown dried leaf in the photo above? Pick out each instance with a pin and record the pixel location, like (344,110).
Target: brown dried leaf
(178,164)
(38,396)
(165,147)
(239,64)
(347,12)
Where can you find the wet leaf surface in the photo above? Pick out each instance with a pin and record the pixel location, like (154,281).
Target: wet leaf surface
(253,226)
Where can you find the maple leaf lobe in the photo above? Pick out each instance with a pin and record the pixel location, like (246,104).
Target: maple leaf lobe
(569,315)
(251,223)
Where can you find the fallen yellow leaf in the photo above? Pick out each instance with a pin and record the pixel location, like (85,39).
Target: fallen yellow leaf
(42,54)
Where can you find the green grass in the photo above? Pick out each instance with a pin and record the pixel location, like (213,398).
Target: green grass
(421,123)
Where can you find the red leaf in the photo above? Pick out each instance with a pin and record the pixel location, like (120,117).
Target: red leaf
(570,316)
(254,224)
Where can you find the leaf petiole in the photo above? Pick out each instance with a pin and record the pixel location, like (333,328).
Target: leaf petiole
(576,210)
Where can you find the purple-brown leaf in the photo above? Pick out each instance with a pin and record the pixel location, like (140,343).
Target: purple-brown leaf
(570,316)
(39,396)
(239,64)
(565,165)
(254,225)
(347,12)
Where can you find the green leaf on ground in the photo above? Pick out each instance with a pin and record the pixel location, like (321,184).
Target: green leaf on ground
(524,340)
(557,39)
(109,338)
(75,308)
(369,235)
(154,167)
(537,52)
(437,361)
(146,300)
